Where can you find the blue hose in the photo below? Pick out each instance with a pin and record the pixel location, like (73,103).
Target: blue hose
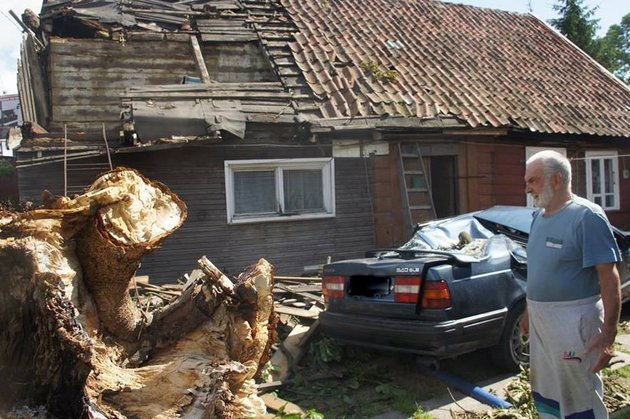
(469,389)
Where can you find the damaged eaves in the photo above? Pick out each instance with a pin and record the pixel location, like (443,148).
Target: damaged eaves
(102,16)
(202,109)
(438,124)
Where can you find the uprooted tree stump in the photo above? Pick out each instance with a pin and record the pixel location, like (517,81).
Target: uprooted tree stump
(73,342)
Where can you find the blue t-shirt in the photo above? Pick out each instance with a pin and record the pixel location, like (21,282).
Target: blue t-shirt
(564,248)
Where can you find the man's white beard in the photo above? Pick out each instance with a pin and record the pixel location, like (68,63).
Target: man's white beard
(545,196)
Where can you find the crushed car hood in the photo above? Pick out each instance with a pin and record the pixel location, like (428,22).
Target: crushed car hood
(455,233)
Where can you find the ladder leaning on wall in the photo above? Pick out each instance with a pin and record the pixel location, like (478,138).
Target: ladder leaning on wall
(75,174)
(415,186)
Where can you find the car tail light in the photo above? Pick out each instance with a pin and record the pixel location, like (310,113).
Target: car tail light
(333,287)
(436,295)
(406,289)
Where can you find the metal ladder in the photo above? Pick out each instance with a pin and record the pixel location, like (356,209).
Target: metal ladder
(415,185)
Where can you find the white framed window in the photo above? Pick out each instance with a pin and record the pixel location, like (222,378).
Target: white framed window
(279,189)
(602,178)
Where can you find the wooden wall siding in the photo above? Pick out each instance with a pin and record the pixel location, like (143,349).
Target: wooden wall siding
(33,180)
(387,200)
(493,175)
(87,76)
(509,184)
(32,85)
(9,186)
(197,176)
(485,158)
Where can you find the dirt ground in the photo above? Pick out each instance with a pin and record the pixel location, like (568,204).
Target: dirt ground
(346,381)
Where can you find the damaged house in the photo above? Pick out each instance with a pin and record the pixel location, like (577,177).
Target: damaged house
(302,130)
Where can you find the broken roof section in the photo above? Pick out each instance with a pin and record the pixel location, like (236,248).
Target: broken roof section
(151,14)
(240,84)
(389,62)
(426,59)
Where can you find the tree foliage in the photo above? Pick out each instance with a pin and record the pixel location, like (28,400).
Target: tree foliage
(578,23)
(613,50)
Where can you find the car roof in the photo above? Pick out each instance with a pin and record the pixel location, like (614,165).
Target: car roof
(514,217)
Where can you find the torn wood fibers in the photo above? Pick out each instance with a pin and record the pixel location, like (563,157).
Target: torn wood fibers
(74,343)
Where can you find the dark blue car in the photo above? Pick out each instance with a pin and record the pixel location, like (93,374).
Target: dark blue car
(457,286)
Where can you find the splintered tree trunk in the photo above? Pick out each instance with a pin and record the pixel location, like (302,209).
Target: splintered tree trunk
(72,341)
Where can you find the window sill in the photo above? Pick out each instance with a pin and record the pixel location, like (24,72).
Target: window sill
(279,218)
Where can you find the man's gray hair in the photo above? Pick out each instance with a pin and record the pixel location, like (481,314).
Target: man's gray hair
(553,162)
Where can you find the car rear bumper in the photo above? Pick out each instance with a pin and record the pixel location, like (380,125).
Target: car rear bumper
(436,339)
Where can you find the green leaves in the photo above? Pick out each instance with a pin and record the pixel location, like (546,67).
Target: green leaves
(324,350)
(578,24)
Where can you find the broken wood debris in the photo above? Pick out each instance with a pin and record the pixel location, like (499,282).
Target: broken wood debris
(297,300)
(291,292)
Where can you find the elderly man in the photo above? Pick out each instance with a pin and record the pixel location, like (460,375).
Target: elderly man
(573,293)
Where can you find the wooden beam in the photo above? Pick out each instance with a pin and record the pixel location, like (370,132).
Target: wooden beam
(298,278)
(305,294)
(477,132)
(291,350)
(201,64)
(294,311)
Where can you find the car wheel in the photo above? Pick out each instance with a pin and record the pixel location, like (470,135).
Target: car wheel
(512,351)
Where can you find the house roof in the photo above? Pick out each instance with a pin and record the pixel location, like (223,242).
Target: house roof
(428,59)
(222,101)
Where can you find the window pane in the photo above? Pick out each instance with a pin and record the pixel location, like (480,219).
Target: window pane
(254,192)
(303,190)
(608,176)
(596,181)
(598,200)
(610,201)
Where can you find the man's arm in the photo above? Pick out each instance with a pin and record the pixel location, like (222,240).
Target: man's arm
(611,297)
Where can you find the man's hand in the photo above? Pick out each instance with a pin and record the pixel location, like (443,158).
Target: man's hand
(602,344)
(524,323)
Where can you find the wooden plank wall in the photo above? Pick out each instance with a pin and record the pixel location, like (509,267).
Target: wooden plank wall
(509,183)
(197,176)
(33,180)
(493,174)
(87,76)
(389,218)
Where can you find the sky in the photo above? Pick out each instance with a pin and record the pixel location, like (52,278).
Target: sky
(609,12)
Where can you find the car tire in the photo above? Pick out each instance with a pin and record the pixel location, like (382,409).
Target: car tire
(512,351)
